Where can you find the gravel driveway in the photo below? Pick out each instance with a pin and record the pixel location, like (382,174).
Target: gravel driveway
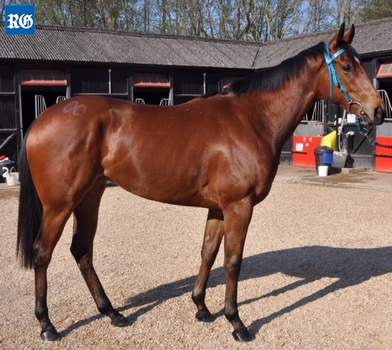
(316,275)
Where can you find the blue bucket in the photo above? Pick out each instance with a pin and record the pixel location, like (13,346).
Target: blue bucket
(327,157)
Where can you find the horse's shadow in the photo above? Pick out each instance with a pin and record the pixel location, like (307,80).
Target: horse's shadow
(349,266)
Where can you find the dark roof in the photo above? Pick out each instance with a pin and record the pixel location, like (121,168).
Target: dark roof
(91,45)
(101,46)
(371,37)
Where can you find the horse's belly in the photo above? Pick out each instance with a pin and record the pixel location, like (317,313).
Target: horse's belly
(163,185)
(171,192)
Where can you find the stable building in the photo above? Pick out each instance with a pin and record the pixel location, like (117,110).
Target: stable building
(58,63)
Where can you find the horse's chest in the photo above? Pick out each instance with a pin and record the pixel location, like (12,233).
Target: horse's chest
(264,180)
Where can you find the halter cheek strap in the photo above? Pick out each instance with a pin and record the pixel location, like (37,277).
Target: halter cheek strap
(333,75)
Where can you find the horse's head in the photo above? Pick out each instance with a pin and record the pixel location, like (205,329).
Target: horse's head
(345,81)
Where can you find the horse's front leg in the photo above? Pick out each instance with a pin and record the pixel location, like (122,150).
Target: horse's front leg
(236,221)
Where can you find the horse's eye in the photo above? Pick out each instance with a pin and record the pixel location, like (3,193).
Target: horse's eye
(348,68)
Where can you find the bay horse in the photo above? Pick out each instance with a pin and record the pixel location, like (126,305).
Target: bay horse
(220,153)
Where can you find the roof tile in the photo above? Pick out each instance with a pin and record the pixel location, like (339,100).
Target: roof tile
(371,37)
(98,46)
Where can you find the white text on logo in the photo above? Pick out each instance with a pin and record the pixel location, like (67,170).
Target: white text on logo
(16,21)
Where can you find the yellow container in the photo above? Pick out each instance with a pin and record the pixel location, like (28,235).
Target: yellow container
(330,140)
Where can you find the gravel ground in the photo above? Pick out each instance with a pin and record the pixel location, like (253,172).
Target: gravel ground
(316,275)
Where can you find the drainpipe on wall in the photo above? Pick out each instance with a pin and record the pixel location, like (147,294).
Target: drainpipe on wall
(171,92)
(110,81)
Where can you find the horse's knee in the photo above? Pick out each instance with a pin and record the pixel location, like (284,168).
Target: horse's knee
(233,264)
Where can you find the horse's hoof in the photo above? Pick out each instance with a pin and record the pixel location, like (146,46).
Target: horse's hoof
(119,321)
(204,316)
(242,335)
(50,335)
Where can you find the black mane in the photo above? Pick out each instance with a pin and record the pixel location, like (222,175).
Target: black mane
(273,78)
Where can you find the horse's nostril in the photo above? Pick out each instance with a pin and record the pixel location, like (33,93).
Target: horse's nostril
(379,116)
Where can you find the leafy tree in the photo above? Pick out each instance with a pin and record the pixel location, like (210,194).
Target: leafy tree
(375,9)
(252,20)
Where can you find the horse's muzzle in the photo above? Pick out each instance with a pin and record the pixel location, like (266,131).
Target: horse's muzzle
(379,116)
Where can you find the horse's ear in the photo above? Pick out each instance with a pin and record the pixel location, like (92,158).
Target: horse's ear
(349,35)
(337,39)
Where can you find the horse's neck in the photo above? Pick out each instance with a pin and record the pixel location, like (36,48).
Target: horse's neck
(281,111)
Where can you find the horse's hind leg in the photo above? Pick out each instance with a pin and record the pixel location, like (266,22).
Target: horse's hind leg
(212,238)
(53,222)
(85,225)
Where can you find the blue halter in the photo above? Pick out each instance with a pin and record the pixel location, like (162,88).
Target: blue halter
(333,75)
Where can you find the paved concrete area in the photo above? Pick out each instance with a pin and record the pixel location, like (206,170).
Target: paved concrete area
(365,179)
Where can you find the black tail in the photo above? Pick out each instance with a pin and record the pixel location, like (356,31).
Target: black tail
(30,212)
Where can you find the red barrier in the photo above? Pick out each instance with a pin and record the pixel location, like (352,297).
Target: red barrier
(384,154)
(303,150)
